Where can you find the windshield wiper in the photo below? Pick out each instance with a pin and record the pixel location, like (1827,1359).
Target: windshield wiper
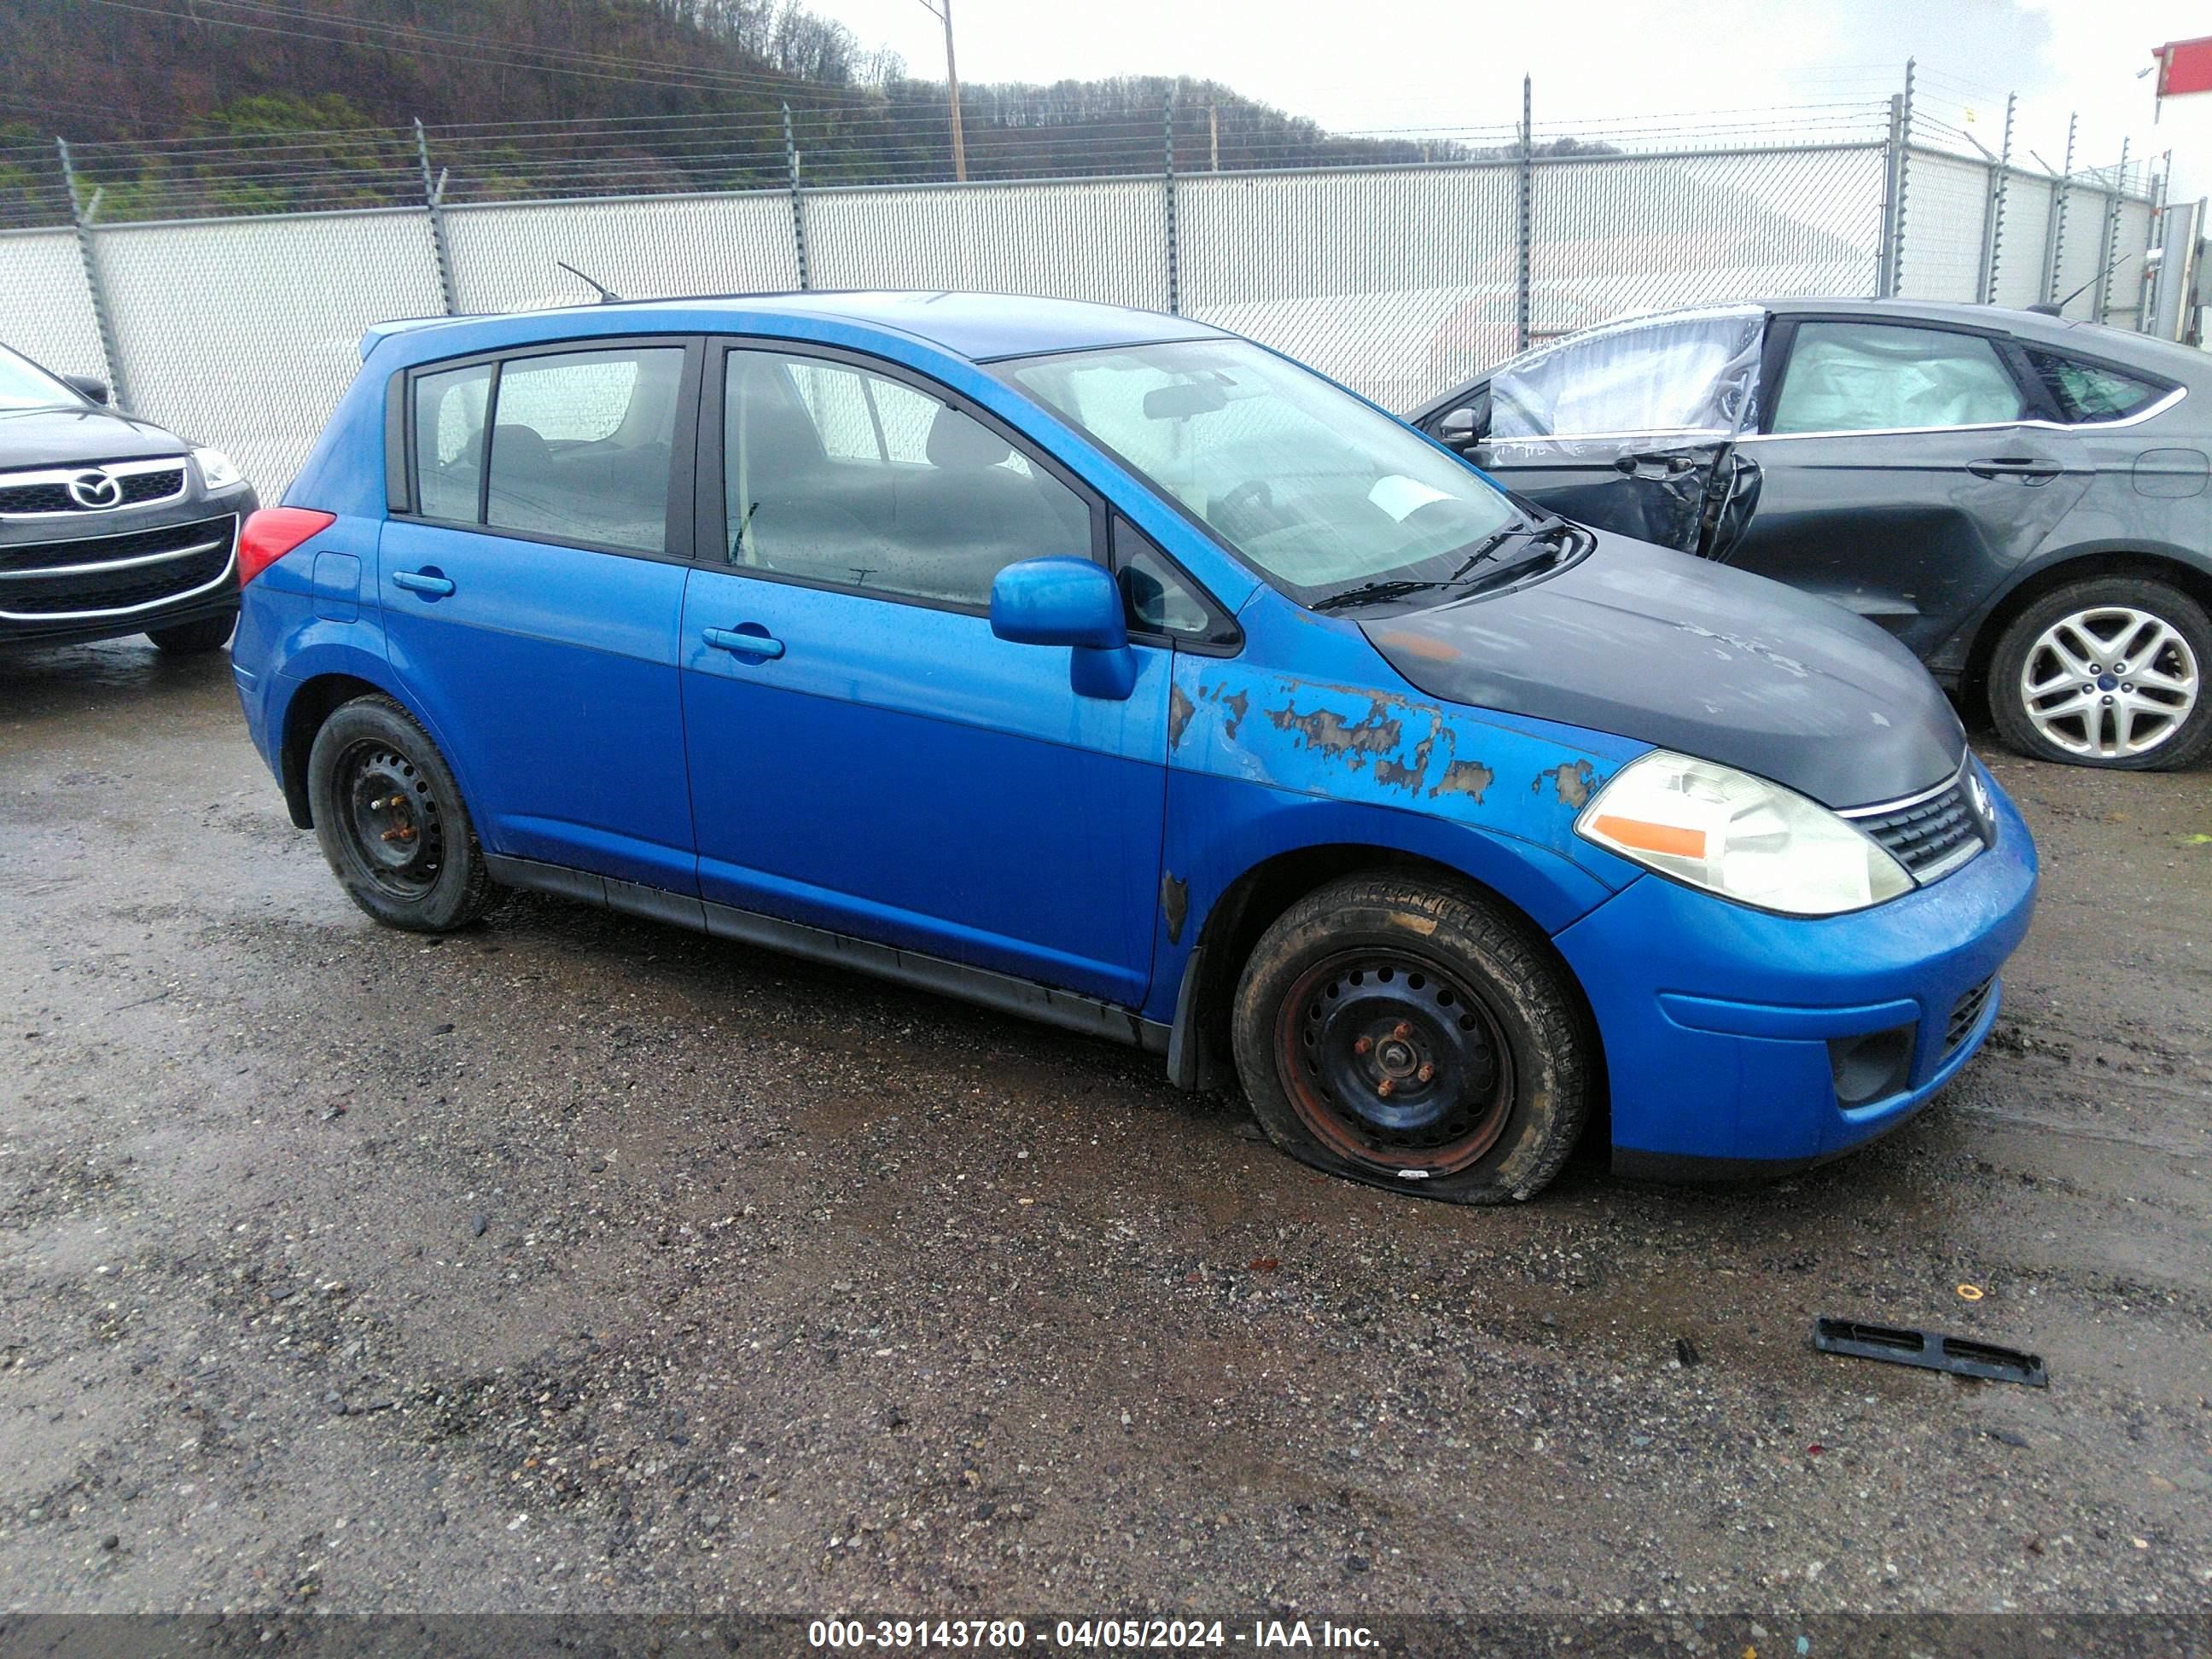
(1397,589)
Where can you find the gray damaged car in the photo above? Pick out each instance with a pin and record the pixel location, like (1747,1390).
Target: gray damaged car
(2021,501)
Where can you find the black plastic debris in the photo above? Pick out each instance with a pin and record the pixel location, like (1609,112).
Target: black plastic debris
(1962,1356)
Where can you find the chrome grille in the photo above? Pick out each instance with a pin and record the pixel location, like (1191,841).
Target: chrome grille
(1965,1013)
(102,575)
(1930,836)
(139,484)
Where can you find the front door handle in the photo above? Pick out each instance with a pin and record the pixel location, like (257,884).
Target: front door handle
(743,642)
(1653,466)
(422,581)
(2026,468)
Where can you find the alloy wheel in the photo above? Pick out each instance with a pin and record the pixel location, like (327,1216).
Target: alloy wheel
(2111,682)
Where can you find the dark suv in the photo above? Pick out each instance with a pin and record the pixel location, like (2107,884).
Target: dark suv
(108,523)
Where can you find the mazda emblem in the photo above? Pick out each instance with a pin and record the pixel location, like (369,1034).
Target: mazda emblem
(95,490)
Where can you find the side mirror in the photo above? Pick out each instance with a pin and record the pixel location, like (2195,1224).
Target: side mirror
(1070,602)
(86,386)
(1467,426)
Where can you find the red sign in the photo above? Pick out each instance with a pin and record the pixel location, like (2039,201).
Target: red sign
(2184,66)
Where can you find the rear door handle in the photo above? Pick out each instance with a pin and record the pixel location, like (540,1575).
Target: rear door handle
(422,581)
(742,643)
(2026,468)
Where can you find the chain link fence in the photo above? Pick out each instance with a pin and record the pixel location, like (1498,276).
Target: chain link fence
(1398,280)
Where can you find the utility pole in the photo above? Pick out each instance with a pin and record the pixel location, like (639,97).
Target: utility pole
(942,10)
(1214,133)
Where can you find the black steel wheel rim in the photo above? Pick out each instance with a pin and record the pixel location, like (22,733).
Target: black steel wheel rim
(391,819)
(1391,1059)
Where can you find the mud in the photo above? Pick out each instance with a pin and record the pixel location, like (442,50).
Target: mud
(577,1263)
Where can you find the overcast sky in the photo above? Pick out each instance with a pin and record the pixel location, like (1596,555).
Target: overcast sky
(1385,63)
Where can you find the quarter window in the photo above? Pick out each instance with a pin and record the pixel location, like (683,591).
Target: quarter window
(1875,377)
(449,433)
(2089,392)
(580,444)
(835,475)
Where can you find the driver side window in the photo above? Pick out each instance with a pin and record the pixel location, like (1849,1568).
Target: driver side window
(1698,372)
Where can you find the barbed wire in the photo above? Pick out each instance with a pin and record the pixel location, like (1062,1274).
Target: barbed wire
(867,140)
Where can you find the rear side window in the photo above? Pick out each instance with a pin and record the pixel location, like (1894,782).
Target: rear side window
(449,429)
(1881,377)
(580,446)
(2088,392)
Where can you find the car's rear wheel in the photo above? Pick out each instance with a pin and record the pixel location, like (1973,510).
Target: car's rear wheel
(1415,1037)
(392,822)
(2109,672)
(191,638)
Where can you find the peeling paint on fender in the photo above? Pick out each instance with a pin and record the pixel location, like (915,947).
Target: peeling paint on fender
(1327,732)
(1180,709)
(1175,903)
(1576,781)
(1468,778)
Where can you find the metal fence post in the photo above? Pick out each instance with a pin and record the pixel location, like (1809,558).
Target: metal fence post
(2146,292)
(2057,248)
(434,204)
(1175,262)
(2106,256)
(1885,253)
(1525,231)
(798,203)
(1904,184)
(82,214)
(2000,176)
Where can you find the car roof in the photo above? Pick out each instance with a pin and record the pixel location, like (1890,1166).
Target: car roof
(982,327)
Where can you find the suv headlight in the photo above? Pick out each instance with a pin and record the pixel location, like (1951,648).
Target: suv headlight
(217,470)
(1739,836)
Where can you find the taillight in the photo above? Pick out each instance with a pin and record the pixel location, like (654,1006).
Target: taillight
(272,533)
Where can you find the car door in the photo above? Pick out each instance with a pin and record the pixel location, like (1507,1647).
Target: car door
(532,582)
(1905,469)
(1631,428)
(866,757)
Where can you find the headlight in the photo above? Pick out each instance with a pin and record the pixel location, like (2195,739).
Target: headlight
(217,470)
(1739,836)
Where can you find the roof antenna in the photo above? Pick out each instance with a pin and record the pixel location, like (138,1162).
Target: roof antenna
(607,295)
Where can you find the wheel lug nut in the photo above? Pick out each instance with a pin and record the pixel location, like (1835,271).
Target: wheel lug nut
(1361,1045)
(1428,1070)
(1384,1087)
(1401,1030)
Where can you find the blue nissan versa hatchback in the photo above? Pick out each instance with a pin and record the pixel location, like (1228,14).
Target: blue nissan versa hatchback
(1106,668)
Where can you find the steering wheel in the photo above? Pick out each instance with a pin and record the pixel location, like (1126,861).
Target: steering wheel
(1253,501)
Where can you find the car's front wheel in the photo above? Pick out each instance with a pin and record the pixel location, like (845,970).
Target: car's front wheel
(191,638)
(392,822)
(2108,672)
(1416,1037)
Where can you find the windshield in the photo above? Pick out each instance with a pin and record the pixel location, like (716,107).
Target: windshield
(1317,492)
(25,386)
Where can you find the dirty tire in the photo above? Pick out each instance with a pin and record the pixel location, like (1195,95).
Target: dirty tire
(192,638)
(392,822)
(1367,982)
(2032,644)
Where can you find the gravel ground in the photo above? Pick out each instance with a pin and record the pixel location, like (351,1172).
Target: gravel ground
(575,1263)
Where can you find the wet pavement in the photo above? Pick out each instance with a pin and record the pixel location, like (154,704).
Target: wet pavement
(578,1263)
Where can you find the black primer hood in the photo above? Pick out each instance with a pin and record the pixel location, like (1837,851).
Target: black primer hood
(1695,657)
(64,437)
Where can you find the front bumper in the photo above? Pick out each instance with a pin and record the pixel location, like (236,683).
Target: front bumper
(67,578)
(1716,1018)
